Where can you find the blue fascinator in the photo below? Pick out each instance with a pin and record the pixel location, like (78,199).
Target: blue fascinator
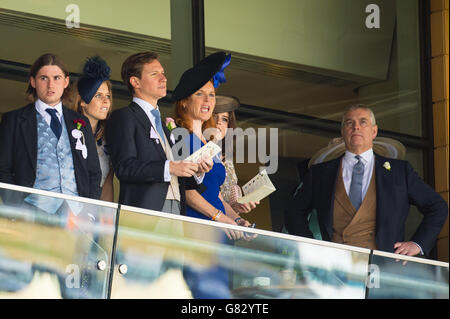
(219,77)
(95,72)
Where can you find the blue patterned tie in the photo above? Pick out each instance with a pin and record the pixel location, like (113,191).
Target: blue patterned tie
(355,192)
(159,128)
(55,124)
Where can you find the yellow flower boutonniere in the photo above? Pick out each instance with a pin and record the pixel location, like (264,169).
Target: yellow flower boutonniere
(387,166)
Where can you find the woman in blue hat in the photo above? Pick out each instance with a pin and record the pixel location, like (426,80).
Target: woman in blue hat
(94,100)
(195,100)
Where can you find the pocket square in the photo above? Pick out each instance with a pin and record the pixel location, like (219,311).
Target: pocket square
(153,135)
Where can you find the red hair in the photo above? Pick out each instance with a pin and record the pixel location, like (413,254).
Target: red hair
(182,118)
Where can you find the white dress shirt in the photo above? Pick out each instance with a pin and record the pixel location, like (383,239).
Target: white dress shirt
(148,108)
(41,109)
(349,161)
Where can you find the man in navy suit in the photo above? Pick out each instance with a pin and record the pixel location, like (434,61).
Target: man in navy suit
(37,142)
(140,145)
(362,199)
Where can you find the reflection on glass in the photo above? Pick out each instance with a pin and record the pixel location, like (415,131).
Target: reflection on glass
(157,255)
(317,62)
(174,258)
(65,254)
(394,279)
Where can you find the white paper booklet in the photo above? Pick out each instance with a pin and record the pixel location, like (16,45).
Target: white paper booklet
(210,149)
(257,188)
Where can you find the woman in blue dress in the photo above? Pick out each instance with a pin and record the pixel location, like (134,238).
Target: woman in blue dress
(195,102)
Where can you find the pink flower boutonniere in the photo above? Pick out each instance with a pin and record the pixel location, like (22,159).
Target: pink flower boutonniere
(170,123)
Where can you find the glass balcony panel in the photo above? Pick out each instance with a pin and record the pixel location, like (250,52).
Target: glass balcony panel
(399,277)
(66,254)
(165,256)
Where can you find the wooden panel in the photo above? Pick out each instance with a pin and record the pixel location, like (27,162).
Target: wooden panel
(441,123)
(444,196)
(439,73)
(442,249)
(441,169)
(439,33)
(444,231)
(438,5)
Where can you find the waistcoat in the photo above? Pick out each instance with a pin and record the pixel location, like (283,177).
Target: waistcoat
(351,227)
(54,168)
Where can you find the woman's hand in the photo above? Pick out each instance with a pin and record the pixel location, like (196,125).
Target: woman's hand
(205,165)
(245,223)
(244,208)
(231,233)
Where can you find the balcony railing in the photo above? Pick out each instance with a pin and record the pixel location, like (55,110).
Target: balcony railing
(96,249)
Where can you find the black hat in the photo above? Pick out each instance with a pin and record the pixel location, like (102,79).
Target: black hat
(197,76)
(225,103)
(95,72)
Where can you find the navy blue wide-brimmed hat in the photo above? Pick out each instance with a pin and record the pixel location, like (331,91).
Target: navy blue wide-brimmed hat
(197,76)
(95,72)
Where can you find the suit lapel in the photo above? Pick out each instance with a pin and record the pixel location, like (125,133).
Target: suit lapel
(328,187)
(384,187)
(143,119)
(341,196)
(28,126)
(167,132)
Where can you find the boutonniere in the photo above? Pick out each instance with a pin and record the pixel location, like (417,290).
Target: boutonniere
(387,166)
(78,135)
(170,123)
(79,123)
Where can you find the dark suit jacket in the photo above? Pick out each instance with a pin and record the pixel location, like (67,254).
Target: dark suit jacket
(18,151)
(396,190)
(138,160)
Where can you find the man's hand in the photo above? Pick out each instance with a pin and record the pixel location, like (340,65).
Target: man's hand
(182,169)
(407,248)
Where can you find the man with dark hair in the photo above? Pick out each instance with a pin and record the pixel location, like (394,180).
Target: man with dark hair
(362,198)
(38,145)
(140,146)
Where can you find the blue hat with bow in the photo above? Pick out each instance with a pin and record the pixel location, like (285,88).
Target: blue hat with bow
(95,72)
(211,67)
